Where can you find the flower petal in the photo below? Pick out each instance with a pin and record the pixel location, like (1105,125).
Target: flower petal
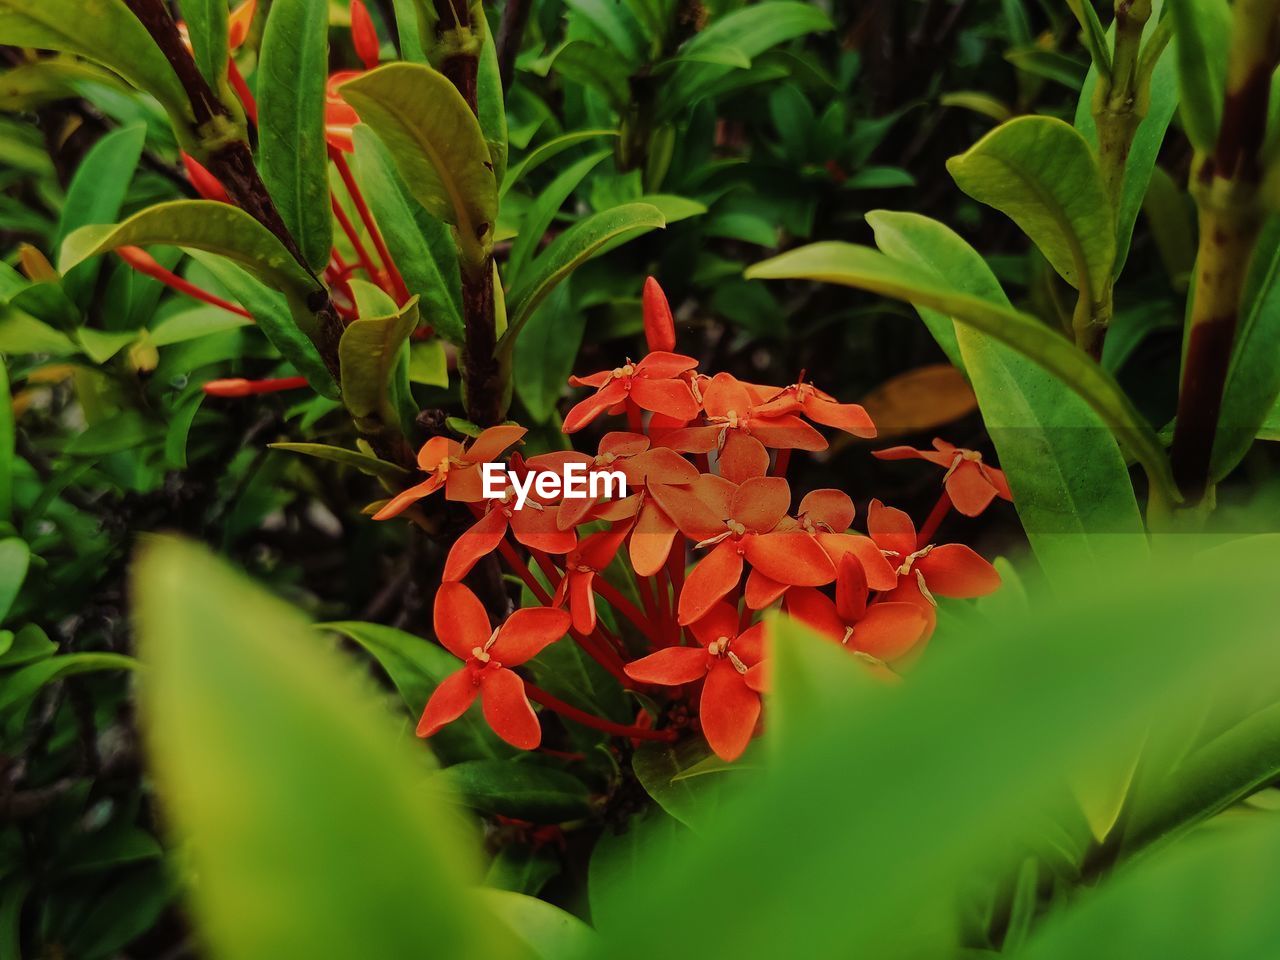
(662,365)
(758,677)
(479,541)
(460,621)
(849,417)
(891,529)
(793,558)
(726,396)
(729,710)
(450,700)
(699,510)
(538,530)
(881,574)
(403,500)
(493,443)
(587,410)
(830,509)
(670,397)
(889,630)
(651,539)
(507,709)
(714,576)
(527,632)
(910,453)
(598,550)
(787,432)
(720,621)
(851,588)
(749,645)
(620,443)
(761,590)
(582,600)
(670,667)
(435,450)
(954,570)
(743,458)
(759,503)
(815,610)
(466,484)
(970,491)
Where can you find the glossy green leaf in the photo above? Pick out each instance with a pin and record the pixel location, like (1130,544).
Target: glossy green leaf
(1093,35)
(546,351)
(421,246)
(1202,33)
(6,448)
(416,666)
(200,321)
(368,353)
(692,800)
(278,772)
(527,791)
(1070,482)
(577,244)
(491,110)
(1147,141)
(15,556)
(95,195)
(117,40)
(363,462)
(437,145)
(546,151)
(293,154)
(1253,382)
(1041,173)
(282,319)
(547,931)
(870,270)
(207,29)
(543,210)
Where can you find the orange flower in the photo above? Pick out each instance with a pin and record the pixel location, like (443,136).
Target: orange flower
(340,117)
(534,525)
(741,523)
(454,467)
(733,665)
(462,627)
(581,566)
(239,21)
(653,384)
(820,408)
(883,632)
(363,35)
(739,433)
(970,483)
(653,474)
(614,449)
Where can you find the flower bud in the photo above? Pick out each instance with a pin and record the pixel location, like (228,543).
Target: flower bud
(659,325)
(363,34)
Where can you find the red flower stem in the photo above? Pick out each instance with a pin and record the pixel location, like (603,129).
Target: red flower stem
(239,387)
(362,254)
(780,463)
(645,589)
(147,265)
(242,91)
(538,695)
(371,227)
(613,596)
(675,573)
(521,570)
(934,520)
(635,419)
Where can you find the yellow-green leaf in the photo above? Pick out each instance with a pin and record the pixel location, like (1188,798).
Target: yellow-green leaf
(368,352)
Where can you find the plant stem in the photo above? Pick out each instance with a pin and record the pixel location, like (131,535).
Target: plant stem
(538,695)
(392,274)
(515,16)
(934,520)
(1226,189)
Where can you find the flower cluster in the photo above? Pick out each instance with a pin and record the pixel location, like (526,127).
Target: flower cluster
(709,537)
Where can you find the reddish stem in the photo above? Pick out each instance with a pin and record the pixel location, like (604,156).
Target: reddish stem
(239,387)
(780,463)
(242,91)
(371,227)
(615,599)
(362,254)
(147,265)
(934,520)
(538,695)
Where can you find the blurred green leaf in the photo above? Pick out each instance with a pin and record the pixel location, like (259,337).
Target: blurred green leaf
(293,155)
(15,556)
(1202,31)
(287,784)
(349,458)
(526,791)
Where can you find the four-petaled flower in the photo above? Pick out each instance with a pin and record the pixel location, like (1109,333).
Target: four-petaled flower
(581,567)
(454,467)
(732,664)
(653,384)
(970,483)
(820,408)
(488,655)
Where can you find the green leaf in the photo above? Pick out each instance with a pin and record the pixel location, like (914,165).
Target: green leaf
(6,448)
(870,270)
(546,351)
(15,556)
(576,245)
(1202,34)
(522,869)
(1147,141)
(543,210)
(292,70)
(202,225)
(116,39)
(1041,173)
(420,245)
(24,683)
(416,666)
(124,431)
(29,644)
(437,145)
(549,932)
(101,345)
(207,28)
(491,111)
(546,151)
(1070,482)
(95,195)
(614,23)
(620,854)
(281,319)
(429,363)
(1049,64)
(21,333)
(1253,382)
(368,353)
(202,321)
(694,801)
(527,791)
(278,771)
(363,462)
